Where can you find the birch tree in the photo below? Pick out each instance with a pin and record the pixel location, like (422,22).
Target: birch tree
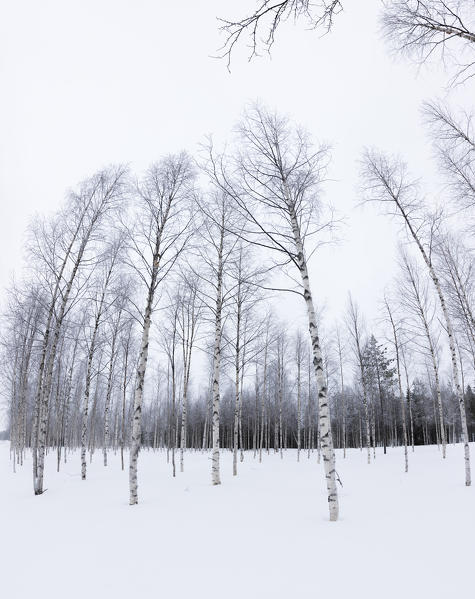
(457,265)
(161,233)
(415,299)
(354,325)
(422,28)
(386,181)
(216,291)
(99,304)
(62,249)
(299,357)
(189,317)
(115,325)
(171,344)
(259,28)
(396,343)
(275,184)
(245,279)
(454,140)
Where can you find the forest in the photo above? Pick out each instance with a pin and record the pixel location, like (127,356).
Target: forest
(175,315)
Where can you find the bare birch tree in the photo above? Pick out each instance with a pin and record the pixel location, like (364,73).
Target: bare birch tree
(157,241)
(99,304)
(275,184)
(299,357)
(355,327)
(216,291)
(454,140)
(260,27)
(189,317)
(63,254)
(421,28)
(395,326)
(415,299)
(386,181)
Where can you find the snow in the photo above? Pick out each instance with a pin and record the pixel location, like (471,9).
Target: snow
(264,533)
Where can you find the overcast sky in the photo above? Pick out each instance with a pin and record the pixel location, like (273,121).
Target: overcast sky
(86,83)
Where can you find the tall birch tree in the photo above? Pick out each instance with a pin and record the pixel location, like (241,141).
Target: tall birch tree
(387,182)
(275,182)
(159,237)
(74,231)
(415,300)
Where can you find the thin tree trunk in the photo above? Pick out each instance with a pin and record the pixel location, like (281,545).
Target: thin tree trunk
(324,409)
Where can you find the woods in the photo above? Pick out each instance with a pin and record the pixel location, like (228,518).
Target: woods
(149,312)
(237,302)
(145,318)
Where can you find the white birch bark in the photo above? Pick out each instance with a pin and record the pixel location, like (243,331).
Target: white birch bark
(425,324)
(354,327)
(264,395)
(323,406)
(215,473)
(107,403)
(389,185)
(280,383)
(299,395)
(342,391)
(138,396)
(453,357)
(99,195)
(164,193)
(401,394)
(237,390)
(190,314)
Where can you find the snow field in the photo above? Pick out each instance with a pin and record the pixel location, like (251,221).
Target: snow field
(264,533)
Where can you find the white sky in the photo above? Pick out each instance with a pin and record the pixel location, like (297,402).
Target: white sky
(86,83)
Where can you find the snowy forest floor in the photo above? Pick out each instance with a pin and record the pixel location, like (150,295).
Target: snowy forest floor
(264,533)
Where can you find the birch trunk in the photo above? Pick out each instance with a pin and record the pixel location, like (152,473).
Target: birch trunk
(138,398)
(215,475)
(324,408)
(299,407)
(401,394)
(237,390)
(449,329)
(264,398)
(108,403)
(359,353)
(45,383)
(342,390)
(455,374)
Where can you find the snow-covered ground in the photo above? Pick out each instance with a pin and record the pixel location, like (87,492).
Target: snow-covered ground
(262,534)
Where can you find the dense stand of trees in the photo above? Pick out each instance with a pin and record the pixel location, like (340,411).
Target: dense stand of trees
(131,284)
(143,317)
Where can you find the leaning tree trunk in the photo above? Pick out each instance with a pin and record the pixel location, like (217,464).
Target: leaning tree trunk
(401,394)
(42,398)
(45,383)
(450,334)
(323,405)
(90,357)
(138,396)
(215,477)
